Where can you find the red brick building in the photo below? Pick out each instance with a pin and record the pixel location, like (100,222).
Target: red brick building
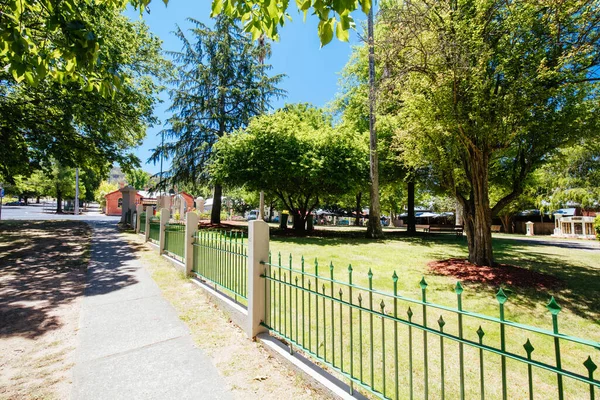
(114,202)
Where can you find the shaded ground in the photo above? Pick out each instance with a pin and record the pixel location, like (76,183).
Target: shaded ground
(42,277)
(501,274)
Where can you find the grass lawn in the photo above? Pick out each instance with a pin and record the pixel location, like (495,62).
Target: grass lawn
(577,292)
(42,277)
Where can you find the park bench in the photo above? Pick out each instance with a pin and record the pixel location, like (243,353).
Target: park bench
(424,228)
(458,229)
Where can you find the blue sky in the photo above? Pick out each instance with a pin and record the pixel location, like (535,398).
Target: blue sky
(312,72)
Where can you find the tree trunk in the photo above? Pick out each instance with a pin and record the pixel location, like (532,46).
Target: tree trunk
(37,200)
(374,229)
(270,211)
(58,202)
(410,222)
(215,212)
(506,219)
(299,221)
(478,215)
(358,209)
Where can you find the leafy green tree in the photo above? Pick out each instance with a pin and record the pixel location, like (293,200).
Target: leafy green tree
(267,16)
(572,176)
(220,85)
(103,189)
(60,40)
(294,154)
(78,126)
(61,184)
(489,91)
(137,178)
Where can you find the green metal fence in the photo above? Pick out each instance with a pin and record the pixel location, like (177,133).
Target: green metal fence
(398,347)
(154,234)
(221,258)
(143,222)
(175,240)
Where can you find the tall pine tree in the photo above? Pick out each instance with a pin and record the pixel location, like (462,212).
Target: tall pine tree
(220,84)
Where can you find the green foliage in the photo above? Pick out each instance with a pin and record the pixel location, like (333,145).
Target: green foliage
(64,41)
(571,176)
(103,189)
(597,226)
(294,154)
(204,111)
(267,16)
(72,123)
(488,93)
(137,178)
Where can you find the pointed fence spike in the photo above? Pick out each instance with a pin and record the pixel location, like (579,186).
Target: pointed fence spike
(331,265)
(296,281)
(359,299)
(423,283)
(458,288)
(528,347)
(341,293)
(395,277)
(501,296)
(350,268)
(382,305)
(590,365)
(553,306)
(370,274)
(409,312)
(480,333)
(441,322)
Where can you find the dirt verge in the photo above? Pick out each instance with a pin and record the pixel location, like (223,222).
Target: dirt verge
(42,277)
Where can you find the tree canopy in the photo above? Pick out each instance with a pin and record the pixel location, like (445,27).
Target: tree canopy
(296,155)
(76,125)
(220,84)
(488,91)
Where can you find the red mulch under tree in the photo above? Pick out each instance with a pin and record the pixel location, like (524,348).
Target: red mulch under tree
(501,274)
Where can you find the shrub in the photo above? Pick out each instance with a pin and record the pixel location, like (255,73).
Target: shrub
(597,226)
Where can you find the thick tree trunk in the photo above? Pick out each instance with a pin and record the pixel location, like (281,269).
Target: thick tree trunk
(478,215)
(374,229)
(58,202)
(215,212)
(411,228)
(299,221)
(37,200)
(358,209)
(270,211)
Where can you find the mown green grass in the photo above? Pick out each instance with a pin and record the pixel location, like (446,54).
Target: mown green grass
(578,294)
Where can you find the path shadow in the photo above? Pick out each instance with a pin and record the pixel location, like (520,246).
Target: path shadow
(43,268)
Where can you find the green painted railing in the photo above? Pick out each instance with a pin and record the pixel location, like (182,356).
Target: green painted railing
(398,347)
(143,222)
(221,258)
(175,240)
(154,234)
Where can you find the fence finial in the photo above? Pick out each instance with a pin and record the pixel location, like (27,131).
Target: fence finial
(423,283)
(553,306)
(458,288)
(480,333)
(501,296)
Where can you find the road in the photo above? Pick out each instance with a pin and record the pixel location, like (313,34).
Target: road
(36,212)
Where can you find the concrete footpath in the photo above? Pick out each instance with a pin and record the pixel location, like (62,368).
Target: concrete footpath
(132,345)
